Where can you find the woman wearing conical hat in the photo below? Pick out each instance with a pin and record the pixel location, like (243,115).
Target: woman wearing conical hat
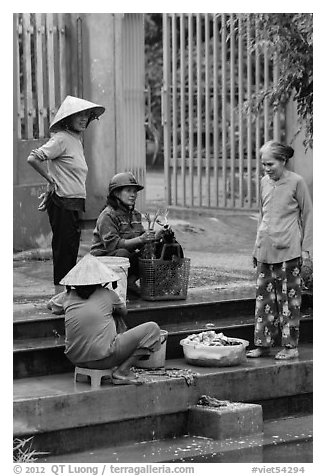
(96,336)
(65,173)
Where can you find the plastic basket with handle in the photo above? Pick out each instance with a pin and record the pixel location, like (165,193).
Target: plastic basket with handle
(162,279)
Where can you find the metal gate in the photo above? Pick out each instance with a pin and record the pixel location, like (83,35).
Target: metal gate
(211,142)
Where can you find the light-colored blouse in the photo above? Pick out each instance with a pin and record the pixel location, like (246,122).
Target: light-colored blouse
(89,325)
(285,221)
(67,165)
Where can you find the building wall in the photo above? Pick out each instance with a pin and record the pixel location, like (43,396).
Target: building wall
(106,67)
(302,162)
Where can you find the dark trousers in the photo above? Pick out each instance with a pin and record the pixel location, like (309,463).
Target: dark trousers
(65,240)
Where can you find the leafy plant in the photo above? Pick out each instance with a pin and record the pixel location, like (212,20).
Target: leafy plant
(23,453)
(288,38)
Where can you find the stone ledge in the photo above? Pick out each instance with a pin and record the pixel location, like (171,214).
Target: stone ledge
(231,421)
(53,403)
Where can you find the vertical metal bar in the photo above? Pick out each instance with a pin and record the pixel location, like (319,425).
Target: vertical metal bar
(62,56)
(215,108)
(16,100)
(39,73)
(266,84)
(224,106)
(240,102)
(28,94)
(191,107)
(166,106)
(249,115)
(50,64)
(232,125)
(126,99)
(80,85)
(257,142)
(207,111)
(276,119)
(182,105)
(199,108)
(17,65)
(174,110)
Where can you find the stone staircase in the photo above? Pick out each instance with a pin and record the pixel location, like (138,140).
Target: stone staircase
(69,418)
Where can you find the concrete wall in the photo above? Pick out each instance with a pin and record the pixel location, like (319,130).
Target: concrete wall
(114,76)
(302,162)
(105,52)
(98,46)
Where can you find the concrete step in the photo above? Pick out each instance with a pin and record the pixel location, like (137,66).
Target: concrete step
(277,435)
(65,417)
(39,335)
(45,355)
(33,319)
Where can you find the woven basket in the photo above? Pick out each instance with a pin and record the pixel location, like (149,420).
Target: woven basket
(164,279)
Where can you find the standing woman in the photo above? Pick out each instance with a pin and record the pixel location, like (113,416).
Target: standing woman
(283,244)
(66,174)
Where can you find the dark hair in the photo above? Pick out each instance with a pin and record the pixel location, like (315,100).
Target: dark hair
(66,123)
(113,201)
(84,292)
(279,151)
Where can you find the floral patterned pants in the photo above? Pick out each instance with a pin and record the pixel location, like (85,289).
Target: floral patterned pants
(278,301)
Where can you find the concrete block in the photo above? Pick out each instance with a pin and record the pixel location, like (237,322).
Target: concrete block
(231,421)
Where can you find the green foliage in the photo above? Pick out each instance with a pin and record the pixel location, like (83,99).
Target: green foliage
(288,36)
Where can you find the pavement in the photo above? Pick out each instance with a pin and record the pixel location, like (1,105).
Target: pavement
(218,242)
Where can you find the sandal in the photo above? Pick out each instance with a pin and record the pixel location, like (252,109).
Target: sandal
(258,352)
(287,354)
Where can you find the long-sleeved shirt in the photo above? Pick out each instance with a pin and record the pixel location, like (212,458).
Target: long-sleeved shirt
(285,221)
(113,227)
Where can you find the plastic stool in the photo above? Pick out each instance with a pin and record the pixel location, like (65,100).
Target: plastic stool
(94,374)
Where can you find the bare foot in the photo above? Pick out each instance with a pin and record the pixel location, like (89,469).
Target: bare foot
(125,379)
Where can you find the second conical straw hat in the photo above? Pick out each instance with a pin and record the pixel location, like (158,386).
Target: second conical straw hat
(89,270)
(71,105)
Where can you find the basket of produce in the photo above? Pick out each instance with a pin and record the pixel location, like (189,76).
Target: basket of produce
(164,271)
(164,280)
(209,349)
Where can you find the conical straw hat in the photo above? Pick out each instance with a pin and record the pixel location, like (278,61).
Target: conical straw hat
(71,105)
(89,270)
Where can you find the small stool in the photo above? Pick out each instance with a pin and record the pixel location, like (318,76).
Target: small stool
(94,374)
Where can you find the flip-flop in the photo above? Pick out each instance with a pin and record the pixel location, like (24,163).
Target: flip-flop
(287,355)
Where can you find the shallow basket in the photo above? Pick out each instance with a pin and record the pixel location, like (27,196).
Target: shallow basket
(215,356)
(164,280)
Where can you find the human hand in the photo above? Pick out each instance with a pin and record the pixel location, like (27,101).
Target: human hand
(51,185)
(147,237)
(305,256)
(307,273)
